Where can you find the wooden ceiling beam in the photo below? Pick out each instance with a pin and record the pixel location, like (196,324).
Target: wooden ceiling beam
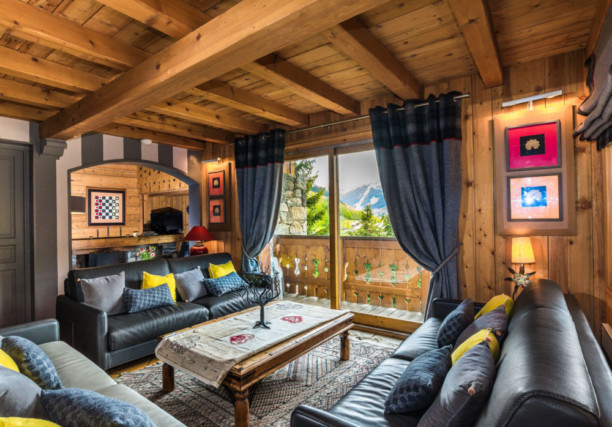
(243,100)
(37,26)
(474,21)
(196,113)
(219,46)
(357,42)
(40,70)
(24,112)
(175,18)
(288,76)
(600,18)
(159,137)
(34,95)
(177,127)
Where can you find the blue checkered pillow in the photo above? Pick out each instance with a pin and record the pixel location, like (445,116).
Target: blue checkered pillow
(225,284)
(73,407)
(135,300)
(32,361)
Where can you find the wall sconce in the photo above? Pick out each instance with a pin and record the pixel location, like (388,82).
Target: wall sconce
(522,253)
(146,141)
(530,99)
(217,159)
(77,205)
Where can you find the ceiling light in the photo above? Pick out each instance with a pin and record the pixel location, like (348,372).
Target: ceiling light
(146,141)
(530,99)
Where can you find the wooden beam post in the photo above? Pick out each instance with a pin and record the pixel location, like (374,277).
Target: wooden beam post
(160,137)
(358,43)
(335,256)
(474,22)
(228,41)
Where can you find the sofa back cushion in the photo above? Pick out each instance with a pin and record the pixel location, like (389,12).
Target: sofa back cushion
(133,275)
(542,378)
(179,265)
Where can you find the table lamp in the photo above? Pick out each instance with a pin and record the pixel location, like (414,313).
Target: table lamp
(198,234)
(522,253)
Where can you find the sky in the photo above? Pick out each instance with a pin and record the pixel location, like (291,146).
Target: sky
(355,170)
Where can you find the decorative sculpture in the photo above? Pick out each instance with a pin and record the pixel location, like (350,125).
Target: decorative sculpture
(261,290)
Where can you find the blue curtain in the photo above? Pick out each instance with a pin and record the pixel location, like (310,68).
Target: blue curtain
(418,150)
(259,174)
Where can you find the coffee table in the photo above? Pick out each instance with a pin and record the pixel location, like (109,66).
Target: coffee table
(244,375)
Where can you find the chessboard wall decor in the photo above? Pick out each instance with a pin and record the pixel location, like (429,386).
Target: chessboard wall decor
(534,173)
(105,207)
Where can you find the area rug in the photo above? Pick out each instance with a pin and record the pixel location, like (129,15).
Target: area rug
(318,378)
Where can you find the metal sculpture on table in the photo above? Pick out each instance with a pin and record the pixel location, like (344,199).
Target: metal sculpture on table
(261,290)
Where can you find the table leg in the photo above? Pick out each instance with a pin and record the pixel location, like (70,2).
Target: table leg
(241,408)
(167,378)
(345,346)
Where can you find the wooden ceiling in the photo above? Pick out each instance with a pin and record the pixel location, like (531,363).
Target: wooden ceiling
(182,72)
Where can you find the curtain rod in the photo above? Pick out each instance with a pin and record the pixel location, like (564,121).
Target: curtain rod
(424,104)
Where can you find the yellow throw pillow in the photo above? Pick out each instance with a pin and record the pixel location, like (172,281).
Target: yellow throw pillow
(495,302)
(216,271)
(478,337)
(25,422)
(151,281)
(7,361)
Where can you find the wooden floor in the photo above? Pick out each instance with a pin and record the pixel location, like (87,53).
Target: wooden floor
(374,310)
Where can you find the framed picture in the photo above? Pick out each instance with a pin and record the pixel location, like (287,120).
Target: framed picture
(535,198)
(216,183)
(216,211)
(535,145)
(105,207)
(219,197)
(535,187)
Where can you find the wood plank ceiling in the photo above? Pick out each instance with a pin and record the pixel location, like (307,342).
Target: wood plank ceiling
(184,77)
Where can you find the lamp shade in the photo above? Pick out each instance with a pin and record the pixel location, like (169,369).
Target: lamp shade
(77,204)
(198,233)
(522,251)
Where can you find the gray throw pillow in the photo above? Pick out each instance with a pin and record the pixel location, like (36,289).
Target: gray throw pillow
(496,320)
(418,385)
(32,361)
(190,284)
(457,320)
(105,293)
(74,407)
(19,396)
(466,388)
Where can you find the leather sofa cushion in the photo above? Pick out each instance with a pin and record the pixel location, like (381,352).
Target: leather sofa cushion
(133,275)
(178,265)
(223,305)
(541,375)
(541,294)
(126,330)
(424,339)
(364,404)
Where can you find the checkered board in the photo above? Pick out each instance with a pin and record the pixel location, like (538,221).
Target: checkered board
(107,207)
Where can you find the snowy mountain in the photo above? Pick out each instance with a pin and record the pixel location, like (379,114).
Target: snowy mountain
(369,194)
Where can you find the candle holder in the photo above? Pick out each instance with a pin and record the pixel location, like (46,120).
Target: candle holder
(261,290)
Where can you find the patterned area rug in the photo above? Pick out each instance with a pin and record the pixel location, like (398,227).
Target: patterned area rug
(318,379)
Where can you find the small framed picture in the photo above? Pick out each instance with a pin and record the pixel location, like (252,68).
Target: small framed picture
(216,212)
(535,198)
(533,146)
(105,207)
(216,183)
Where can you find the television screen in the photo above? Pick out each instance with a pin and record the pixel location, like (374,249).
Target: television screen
(166,221)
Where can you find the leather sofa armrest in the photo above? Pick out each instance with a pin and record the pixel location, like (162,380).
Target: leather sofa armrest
(443,306)
(84,327)
(39,332)
(307,416)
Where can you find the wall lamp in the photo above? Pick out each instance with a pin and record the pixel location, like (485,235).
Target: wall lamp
(216,159)
(530,99)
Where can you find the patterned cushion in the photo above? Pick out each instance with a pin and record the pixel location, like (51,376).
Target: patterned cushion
(455,323)
(225,284)
(73,407)
(19,396)
(26,422)
(496,320)
(136,300)
(190,284)
(466,388)
(33,362)
(418,385)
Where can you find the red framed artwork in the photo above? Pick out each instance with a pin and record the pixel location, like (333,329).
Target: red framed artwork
(216,211)
(219,197)
(216,183)
(534,145)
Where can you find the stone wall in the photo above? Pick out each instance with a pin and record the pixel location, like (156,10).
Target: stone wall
(292,216)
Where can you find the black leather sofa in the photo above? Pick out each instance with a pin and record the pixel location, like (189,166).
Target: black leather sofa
(114,340)
(551,372)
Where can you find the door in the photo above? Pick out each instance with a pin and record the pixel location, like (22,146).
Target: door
(14,196)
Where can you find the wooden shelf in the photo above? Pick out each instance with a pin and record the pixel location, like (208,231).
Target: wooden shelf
(85,246)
